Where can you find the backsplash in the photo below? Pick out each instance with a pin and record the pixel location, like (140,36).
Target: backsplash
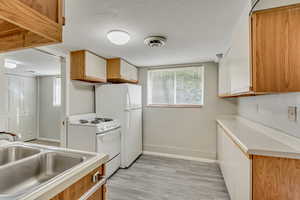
(3,123)
(272,111)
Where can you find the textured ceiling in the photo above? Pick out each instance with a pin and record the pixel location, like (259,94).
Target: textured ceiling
(196,29)
(32,60)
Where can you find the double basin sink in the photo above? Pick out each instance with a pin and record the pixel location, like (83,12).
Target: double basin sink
(25,168)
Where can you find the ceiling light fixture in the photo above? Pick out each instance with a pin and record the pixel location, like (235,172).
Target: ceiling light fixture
(10,64)
(118,37)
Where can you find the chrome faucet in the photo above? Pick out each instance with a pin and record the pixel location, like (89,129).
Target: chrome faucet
(14,136)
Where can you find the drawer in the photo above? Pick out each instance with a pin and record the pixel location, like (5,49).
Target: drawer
(82,186)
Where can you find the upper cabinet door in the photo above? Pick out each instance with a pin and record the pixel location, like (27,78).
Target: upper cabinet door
(120,71)
(224,76)
(95,66)
(240,68)
(276,44)
(88,67)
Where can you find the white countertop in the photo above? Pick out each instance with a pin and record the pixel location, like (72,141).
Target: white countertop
(256,139)
(62,182)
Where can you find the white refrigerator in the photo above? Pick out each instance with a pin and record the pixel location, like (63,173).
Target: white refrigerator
(123,102)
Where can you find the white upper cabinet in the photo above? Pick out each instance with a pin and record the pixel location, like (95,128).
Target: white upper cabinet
(240,55)
(120,71)
(95,66)
(224,76)
(88,67)
(235,67)
(128,71)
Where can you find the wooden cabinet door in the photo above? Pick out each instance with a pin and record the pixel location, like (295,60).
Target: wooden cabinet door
(292,72)
(98,195)
(276,178)
(79,188)
(275,49)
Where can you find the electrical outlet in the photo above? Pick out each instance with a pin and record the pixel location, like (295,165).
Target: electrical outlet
(292,113)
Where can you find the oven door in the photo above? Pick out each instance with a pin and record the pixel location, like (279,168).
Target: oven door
(109,143)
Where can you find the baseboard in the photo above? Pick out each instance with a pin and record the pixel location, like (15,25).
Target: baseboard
(48,139)
(179,157)
(182,151)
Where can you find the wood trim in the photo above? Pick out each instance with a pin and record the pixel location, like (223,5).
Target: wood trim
(21,41)
(121,80)
(249,156)
(99,194)
(243,94)
(60,8)
(28,23)
(173,106)
(79,188)
(113,69)
(21,15)
(48,8)
(275,178)
(77,65)
(276,8)
(94,80)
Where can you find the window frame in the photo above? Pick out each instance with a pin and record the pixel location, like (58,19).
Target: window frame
(175,105)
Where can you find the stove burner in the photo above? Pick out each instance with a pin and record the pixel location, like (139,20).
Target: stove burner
(103,119)
(83,121)
(95,122)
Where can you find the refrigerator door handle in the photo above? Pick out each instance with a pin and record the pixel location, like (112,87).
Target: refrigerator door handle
(128,118)
(128,97)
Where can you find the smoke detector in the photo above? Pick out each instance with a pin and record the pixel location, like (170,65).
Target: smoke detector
(155,41)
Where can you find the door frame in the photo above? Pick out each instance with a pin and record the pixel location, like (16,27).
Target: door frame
(64,68)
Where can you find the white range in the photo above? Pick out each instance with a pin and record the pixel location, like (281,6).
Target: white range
(96,134)
(124,103)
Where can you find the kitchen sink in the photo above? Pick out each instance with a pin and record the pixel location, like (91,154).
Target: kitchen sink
(14,153)
(24,169)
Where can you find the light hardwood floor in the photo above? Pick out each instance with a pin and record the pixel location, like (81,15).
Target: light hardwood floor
(158,178)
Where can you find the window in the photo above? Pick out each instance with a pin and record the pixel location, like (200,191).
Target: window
(176,86)
(56,91)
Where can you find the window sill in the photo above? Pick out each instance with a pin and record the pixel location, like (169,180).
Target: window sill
(173,106)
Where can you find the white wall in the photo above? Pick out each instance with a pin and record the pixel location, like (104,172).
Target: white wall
(49,115)
(186,131)
(22,109)
(82,98)
(272,111)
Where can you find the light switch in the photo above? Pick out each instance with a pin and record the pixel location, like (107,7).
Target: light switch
(292,113)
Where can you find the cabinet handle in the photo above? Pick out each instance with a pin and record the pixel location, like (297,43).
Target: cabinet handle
(97,177)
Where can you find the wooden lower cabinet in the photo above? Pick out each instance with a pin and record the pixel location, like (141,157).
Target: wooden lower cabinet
(99,194)
(82,186)
(276,178)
